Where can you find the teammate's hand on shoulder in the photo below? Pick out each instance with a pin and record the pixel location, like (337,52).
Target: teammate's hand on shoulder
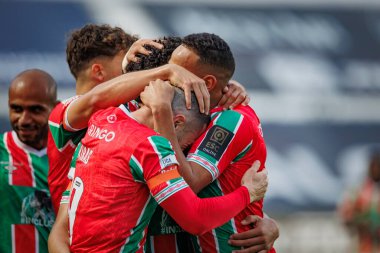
(234,94)
(256,182)
(138,48)
(260,238)
(188,82)
(158,94)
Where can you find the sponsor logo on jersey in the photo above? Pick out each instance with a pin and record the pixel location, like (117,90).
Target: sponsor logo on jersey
(111,118)
(100,133)
(168,160)
(84,154)
(37,209)
(168,225)
(216,141)
(9,167)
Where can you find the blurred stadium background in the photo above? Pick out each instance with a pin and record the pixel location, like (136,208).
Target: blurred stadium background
(312,69)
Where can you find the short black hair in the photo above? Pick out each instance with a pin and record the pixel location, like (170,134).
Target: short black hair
(212,50)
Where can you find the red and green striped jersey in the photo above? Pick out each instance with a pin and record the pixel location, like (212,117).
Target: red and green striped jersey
(25,207)
(123,170)
(61,147)
(232,142)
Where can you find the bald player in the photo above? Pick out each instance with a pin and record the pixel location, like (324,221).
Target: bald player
(25,207)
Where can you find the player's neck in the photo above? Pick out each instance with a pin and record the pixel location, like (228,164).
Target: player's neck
(144,116)
(83,86)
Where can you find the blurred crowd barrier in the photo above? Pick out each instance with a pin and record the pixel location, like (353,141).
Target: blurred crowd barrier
(314,232)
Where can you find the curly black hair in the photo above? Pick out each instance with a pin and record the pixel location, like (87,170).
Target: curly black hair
(212,50)
(92,41)
(157,57)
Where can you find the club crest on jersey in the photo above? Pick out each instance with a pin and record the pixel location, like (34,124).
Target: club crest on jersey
(168,160)
(111,118)
(215,142)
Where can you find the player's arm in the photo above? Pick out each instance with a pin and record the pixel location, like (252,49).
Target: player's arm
(58,241)
(260,238)
(191,212)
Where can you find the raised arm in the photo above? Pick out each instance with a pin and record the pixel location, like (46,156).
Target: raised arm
(127,87)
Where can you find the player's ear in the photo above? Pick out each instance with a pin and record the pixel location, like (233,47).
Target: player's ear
(97,72)
(179,121)
(210,81)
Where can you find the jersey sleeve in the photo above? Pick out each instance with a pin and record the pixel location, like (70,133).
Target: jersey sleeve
(153,162)
(61,136)
(199,215)
(226,139)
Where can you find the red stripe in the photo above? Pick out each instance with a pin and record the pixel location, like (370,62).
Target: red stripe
(24,238)
(207,242)
(164,243)
(23,173)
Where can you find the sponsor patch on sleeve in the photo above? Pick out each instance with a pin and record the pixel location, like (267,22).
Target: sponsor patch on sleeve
(167,161)
(216,141)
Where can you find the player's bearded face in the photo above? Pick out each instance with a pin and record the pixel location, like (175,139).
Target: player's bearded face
(29,115)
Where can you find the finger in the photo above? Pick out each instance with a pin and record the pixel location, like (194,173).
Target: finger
(254,232)
(199,96)
(251,219)
(248,242)
(225,89)
(133,58)
(206,98)
(223,101)
(256,165)
(154,44)
(246,101)
(239,98)
(143,50)
(187,91)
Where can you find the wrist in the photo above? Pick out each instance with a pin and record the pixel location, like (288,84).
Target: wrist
(247,194)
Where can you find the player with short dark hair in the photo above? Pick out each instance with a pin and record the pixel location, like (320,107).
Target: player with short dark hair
(233,141)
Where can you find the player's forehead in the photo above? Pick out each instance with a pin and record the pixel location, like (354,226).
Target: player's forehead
(183,56)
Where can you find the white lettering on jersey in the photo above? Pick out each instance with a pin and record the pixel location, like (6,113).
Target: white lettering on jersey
(85,154)
(99,133)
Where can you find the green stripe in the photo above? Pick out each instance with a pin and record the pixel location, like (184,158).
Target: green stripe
(162,145)
(242,153)
(223,232)
(229,119)
(138,231)
(62,137)
(74,160)
(136,169)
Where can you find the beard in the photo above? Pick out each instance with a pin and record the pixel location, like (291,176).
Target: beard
(32,135)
